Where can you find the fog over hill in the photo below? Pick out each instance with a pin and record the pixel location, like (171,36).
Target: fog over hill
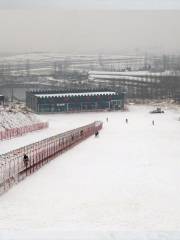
(89,31)
(92,4)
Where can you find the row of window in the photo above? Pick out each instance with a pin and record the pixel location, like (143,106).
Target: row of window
(116,104)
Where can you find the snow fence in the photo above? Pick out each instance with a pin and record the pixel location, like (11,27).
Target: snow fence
(19,131)
(14,168)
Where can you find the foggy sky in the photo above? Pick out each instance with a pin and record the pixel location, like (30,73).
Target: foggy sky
(93,4)
(78,31)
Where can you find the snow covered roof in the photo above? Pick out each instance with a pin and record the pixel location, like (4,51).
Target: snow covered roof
(128,73)
(74,94)
(135,73)
(116,77)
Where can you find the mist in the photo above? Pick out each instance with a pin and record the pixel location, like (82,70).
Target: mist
(91,4)
(89,31)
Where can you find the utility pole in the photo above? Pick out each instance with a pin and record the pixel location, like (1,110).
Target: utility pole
(12,94)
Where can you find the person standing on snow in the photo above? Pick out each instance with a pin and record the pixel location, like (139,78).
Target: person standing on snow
(25,160)
(126,120)
(96,134)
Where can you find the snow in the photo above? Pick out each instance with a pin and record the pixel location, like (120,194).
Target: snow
(122,185)
(134,73)
(127,73)
(74,94)
(10,120)
(116,77)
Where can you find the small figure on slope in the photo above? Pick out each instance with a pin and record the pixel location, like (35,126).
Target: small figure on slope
(25,160)
(126,120)
(96,134)
(153,122)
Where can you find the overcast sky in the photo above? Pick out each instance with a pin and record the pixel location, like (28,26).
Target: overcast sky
(37,25)
(100,4)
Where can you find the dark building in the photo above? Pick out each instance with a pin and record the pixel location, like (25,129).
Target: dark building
(74,100)
(2,100)
(177,96)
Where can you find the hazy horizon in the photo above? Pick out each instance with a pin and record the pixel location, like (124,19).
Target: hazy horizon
(91,27)
(91,4)
(89,31)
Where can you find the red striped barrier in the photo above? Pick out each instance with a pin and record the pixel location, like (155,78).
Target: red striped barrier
(12,165)
(16,132)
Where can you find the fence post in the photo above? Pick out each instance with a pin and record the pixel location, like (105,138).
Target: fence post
(13,169)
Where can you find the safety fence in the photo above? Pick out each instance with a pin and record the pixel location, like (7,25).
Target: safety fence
(16,132)
(22,162)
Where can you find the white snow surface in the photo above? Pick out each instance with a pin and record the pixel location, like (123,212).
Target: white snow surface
(10,120)
(133,73)
(115,77)
(122,185)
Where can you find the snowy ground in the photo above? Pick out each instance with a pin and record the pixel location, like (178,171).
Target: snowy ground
(15,119)
(122,185)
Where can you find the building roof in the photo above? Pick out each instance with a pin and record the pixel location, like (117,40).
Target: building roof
(136,73)
(74,94)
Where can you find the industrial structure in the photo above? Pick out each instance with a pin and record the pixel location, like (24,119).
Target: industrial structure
(177,96)
(2,99)
(139,84)
(74,100)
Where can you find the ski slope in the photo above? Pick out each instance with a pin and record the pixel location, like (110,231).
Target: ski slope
(122,185)
(9,120)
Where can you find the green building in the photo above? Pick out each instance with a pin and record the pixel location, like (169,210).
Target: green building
(74,100)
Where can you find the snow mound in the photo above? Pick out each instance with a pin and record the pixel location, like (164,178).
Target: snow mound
(9,120)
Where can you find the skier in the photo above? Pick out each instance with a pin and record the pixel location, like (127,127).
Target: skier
(107,119)
(25,159)
(96,134)
(153,122)
(126,120)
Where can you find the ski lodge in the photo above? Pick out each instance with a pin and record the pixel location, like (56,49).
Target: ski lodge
(51,101)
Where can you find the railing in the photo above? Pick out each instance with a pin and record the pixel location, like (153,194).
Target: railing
(16,132)
(13,168)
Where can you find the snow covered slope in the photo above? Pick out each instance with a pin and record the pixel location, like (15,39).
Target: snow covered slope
(122,185)
(10,120)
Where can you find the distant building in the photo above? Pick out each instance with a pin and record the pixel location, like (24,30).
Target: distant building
(74,100)
(177,96)
(2,99)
